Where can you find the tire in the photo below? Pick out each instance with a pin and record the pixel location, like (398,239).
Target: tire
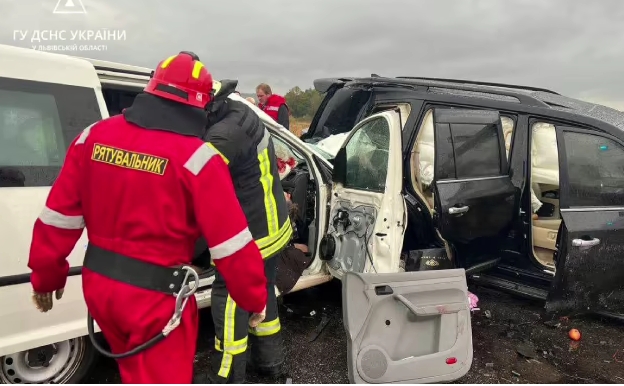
(68,361)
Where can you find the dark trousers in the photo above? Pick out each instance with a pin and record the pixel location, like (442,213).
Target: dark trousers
(233,335)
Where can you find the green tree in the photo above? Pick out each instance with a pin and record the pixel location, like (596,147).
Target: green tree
(303,103)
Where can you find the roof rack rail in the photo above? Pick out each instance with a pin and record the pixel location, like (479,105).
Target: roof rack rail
(491,84)
(523,98)
(121,71)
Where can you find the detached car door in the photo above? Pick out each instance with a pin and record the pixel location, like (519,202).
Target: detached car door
(409,327)
(474,199)
(367,211)
(590,259)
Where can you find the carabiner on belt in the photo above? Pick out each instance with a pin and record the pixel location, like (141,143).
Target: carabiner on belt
(186,291)
(182,297)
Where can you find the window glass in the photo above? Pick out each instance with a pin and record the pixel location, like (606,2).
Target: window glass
(595,170)
(367,156)
(37,123)
(118,100)
(477,150)
(340,114)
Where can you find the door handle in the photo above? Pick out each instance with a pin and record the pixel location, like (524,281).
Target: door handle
(430,310)
(458,210)
(585,243)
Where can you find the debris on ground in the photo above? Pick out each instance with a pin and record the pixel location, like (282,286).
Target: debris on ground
(553,323)
(526,349)
(574,334)
(512,322)
(473,301)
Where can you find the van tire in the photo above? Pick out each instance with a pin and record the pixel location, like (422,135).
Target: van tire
(75,356)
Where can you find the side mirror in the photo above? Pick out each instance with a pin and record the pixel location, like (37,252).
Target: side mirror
(339,173)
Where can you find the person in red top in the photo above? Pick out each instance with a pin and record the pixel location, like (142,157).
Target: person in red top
(274,105)
(146,187)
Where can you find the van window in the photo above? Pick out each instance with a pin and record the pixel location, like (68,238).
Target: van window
(38,121)
(118,99)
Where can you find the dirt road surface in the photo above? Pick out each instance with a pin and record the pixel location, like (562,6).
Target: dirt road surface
(503,326)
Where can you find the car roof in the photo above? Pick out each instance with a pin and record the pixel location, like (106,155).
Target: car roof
(41,66)
(119,74)
(119,67)
(524,95)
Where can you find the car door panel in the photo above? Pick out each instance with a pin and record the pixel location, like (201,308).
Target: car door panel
(590,268)
(411,327)
(589,273)
(475,209)
(475,201)
(367,211)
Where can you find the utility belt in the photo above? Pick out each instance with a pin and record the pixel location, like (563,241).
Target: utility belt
(171,281)
(135,272)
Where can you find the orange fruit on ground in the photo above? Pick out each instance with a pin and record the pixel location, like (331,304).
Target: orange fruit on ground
(575,334)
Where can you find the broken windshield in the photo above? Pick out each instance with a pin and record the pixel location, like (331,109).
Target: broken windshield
(340,113)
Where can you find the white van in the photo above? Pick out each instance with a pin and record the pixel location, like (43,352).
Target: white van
(47,99)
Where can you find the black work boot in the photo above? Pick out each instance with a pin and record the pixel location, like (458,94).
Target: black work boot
(266,358)
(207,377)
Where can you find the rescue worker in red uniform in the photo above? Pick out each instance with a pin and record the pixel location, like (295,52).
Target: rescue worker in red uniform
(146,186)
(274,105)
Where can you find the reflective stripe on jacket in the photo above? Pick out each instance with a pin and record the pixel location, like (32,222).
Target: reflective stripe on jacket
(148,195)
(247,147)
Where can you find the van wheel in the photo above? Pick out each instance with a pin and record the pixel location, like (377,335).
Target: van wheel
(63,362)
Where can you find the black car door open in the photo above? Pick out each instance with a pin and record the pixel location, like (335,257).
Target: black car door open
(590,259)
(475,200)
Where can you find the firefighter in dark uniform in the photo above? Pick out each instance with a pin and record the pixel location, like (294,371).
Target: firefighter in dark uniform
(146,186)
(238,134)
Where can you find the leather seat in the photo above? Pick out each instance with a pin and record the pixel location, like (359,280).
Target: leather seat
(545,233)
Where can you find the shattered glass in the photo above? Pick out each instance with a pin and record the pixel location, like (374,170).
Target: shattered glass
(367,156)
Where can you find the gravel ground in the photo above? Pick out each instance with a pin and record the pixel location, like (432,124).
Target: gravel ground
(503,326)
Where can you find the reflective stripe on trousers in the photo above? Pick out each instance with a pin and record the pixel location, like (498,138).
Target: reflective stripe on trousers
(232,330)
(269,328)
(230,346)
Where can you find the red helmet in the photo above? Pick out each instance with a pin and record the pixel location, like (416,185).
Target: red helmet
(182,78)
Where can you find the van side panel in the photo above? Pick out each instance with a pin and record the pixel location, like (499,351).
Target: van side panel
(46,100)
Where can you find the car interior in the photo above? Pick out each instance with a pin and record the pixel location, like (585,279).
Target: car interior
(422,160)
(299,183)
(544,181)
(544,184)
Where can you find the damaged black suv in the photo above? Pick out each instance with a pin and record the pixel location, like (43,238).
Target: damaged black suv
(522,187)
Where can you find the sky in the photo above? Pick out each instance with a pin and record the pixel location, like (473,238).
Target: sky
(573,47)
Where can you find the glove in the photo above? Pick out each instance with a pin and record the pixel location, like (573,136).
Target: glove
(257,318)
(44,302)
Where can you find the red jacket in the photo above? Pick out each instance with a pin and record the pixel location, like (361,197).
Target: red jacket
(274,102)
(146,194)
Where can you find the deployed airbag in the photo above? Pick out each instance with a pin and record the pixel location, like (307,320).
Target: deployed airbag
(544,155)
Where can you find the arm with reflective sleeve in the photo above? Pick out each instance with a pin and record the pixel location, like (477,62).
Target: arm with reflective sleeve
(59,225)
(224,225)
